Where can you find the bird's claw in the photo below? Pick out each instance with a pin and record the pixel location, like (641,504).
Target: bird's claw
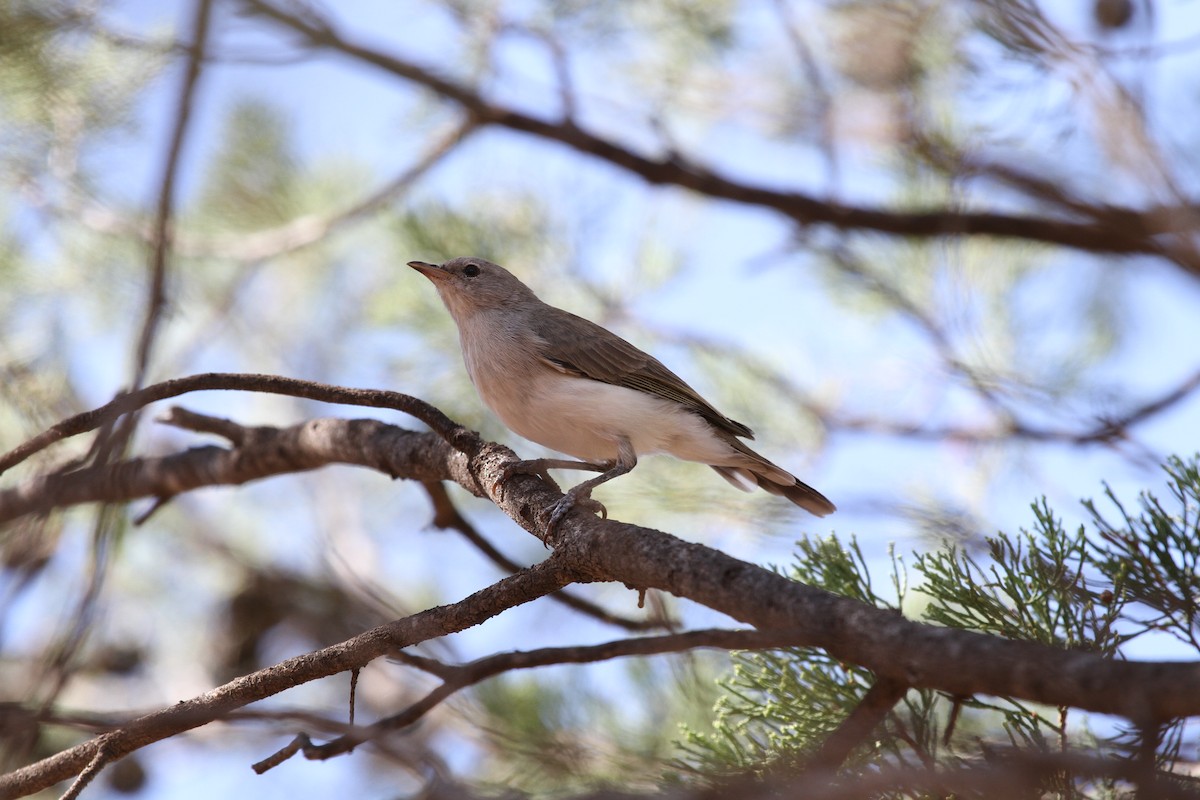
(570,502)
(578,497)
(525,468)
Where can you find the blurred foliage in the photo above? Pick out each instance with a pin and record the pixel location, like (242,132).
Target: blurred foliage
(560,730)
(1097,588)
(251,182)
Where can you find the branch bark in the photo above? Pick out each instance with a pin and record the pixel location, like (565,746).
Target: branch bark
(163,231)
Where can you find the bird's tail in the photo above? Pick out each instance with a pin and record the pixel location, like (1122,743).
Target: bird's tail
(758,471)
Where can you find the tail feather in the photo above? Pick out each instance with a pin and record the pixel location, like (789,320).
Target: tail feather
(746,469)
(797,491)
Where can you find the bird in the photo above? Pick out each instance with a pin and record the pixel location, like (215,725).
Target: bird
(577,388)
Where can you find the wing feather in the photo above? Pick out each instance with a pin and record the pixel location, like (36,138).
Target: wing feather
(576,346)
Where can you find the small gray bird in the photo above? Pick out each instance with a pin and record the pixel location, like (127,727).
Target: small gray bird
(570,385)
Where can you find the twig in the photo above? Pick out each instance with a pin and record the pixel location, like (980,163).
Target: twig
(874,707)
(458,677)
(822,98)
(257,246)
(101,759)
(162,231)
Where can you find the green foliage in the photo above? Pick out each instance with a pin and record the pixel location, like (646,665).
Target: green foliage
(1152,558)
(1033,586)
(548,733)
(1095,588)
(778,705)
(60,91)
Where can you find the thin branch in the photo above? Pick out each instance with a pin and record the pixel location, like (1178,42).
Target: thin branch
(257,246)
(821,97)
(1103,431)
(925,322)
(311,229)
(163,226)
(113,441)
(1116,426)
(535,582)
(454,434)
(458,677)
(447,516)
(1137,231)
(99,761)
(264,452)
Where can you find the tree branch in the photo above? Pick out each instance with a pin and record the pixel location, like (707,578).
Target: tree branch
(263,453)
(919,655)
(162,231)
(1121,231)
(457,436)
(260,245)
(922,656)
(876,704)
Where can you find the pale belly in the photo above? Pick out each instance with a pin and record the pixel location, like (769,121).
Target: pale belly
(585,419)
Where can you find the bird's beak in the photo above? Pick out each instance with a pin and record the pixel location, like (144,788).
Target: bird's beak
(431,271)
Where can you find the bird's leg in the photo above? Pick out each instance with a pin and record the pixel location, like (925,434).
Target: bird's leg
(541,467)
(582,493)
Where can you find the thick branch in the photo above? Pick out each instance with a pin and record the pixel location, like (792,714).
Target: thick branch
(922,656)
(263,453)
(898,650)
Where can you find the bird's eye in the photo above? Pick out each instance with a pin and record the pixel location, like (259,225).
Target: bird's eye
(470,270)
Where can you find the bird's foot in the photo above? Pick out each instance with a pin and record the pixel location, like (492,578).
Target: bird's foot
(570,501)
(537,467)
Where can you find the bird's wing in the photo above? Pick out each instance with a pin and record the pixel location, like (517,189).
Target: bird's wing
(576,346)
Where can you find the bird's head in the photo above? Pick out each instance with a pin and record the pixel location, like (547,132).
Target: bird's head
(469,284)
